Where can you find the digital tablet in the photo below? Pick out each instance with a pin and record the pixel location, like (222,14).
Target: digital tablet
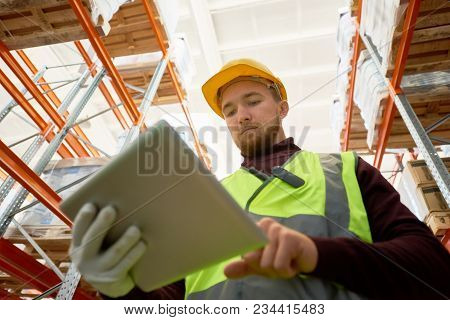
(187,219)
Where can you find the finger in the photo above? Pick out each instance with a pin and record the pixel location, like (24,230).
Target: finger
(238,269)
(92,240)
(265,224)
(112,288)
(283,263)
(253,258)
(268,255)
(116,290)
(129,260)
(117,250)
(81,223)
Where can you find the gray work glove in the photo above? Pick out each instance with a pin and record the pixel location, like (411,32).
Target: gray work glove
(106,270)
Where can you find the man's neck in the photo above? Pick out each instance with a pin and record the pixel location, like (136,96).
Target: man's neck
(274,156)
(279,137)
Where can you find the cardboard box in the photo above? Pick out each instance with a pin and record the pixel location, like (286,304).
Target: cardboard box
(430,199)
(438,222)
(418,190)
(421,200)
(420,173)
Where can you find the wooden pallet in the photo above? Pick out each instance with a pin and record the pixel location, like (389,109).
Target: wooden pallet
(32,23)
(429,108)
(55,241)
(430,46)
(140,75)
(131,32)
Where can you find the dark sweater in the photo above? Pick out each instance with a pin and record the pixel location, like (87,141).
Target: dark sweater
(405,260)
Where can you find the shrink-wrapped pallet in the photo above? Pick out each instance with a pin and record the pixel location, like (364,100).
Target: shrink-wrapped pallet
(57,174)
(342,82)
(382,22)
(369,95)
(371,92)
(345,34)
(337,119)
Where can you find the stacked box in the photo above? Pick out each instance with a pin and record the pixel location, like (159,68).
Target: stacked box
(420,172)
(419,192)
(438,222)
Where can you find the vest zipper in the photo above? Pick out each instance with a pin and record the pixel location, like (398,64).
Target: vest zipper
(266,182)
(257,191)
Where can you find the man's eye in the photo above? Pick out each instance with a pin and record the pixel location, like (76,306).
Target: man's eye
(230,113)
(254,102)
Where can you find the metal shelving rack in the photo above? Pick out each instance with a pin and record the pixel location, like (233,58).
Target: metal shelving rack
(397,101)
(65,137)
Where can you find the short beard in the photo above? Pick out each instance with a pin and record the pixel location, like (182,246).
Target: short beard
(260,141)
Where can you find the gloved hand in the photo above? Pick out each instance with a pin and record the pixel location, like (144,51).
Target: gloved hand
(106,270)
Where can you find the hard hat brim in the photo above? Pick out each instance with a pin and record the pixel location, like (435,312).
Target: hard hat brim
(211,87)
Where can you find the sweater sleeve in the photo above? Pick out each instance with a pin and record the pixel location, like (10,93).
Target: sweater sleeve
(405,260)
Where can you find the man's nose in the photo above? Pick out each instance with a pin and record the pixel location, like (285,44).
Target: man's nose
(243,115)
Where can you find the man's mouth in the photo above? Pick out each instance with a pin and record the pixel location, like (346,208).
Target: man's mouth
(246,129)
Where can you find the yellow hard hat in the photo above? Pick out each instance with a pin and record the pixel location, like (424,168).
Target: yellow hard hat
(232,70)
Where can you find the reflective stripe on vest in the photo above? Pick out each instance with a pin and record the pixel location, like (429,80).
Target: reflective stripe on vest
(329,204)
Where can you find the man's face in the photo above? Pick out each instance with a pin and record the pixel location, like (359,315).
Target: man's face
(252,116)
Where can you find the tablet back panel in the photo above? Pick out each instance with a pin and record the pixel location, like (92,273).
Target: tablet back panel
(188,220)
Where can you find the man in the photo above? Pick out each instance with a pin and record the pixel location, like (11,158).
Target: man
(336,227)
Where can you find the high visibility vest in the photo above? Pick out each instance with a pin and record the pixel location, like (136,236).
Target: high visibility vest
(328,204)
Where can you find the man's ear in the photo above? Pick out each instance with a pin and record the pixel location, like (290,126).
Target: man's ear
(283,108)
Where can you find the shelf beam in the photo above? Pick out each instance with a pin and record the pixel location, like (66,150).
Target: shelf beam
(173,76)
(22,266)
(39,97)
(350,103)
(54,98)
(5,295)
(147,100)
(400,62)
(105,58)
(416,130)
(20,172)
(32,113)
(7,215)
(104,90)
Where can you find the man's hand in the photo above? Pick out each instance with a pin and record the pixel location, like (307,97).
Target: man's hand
(106,270)
(288,253)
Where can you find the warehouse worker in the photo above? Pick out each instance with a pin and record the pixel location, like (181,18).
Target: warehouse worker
(336,227)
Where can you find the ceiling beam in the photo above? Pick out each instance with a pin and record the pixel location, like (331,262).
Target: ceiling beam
(207,34)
